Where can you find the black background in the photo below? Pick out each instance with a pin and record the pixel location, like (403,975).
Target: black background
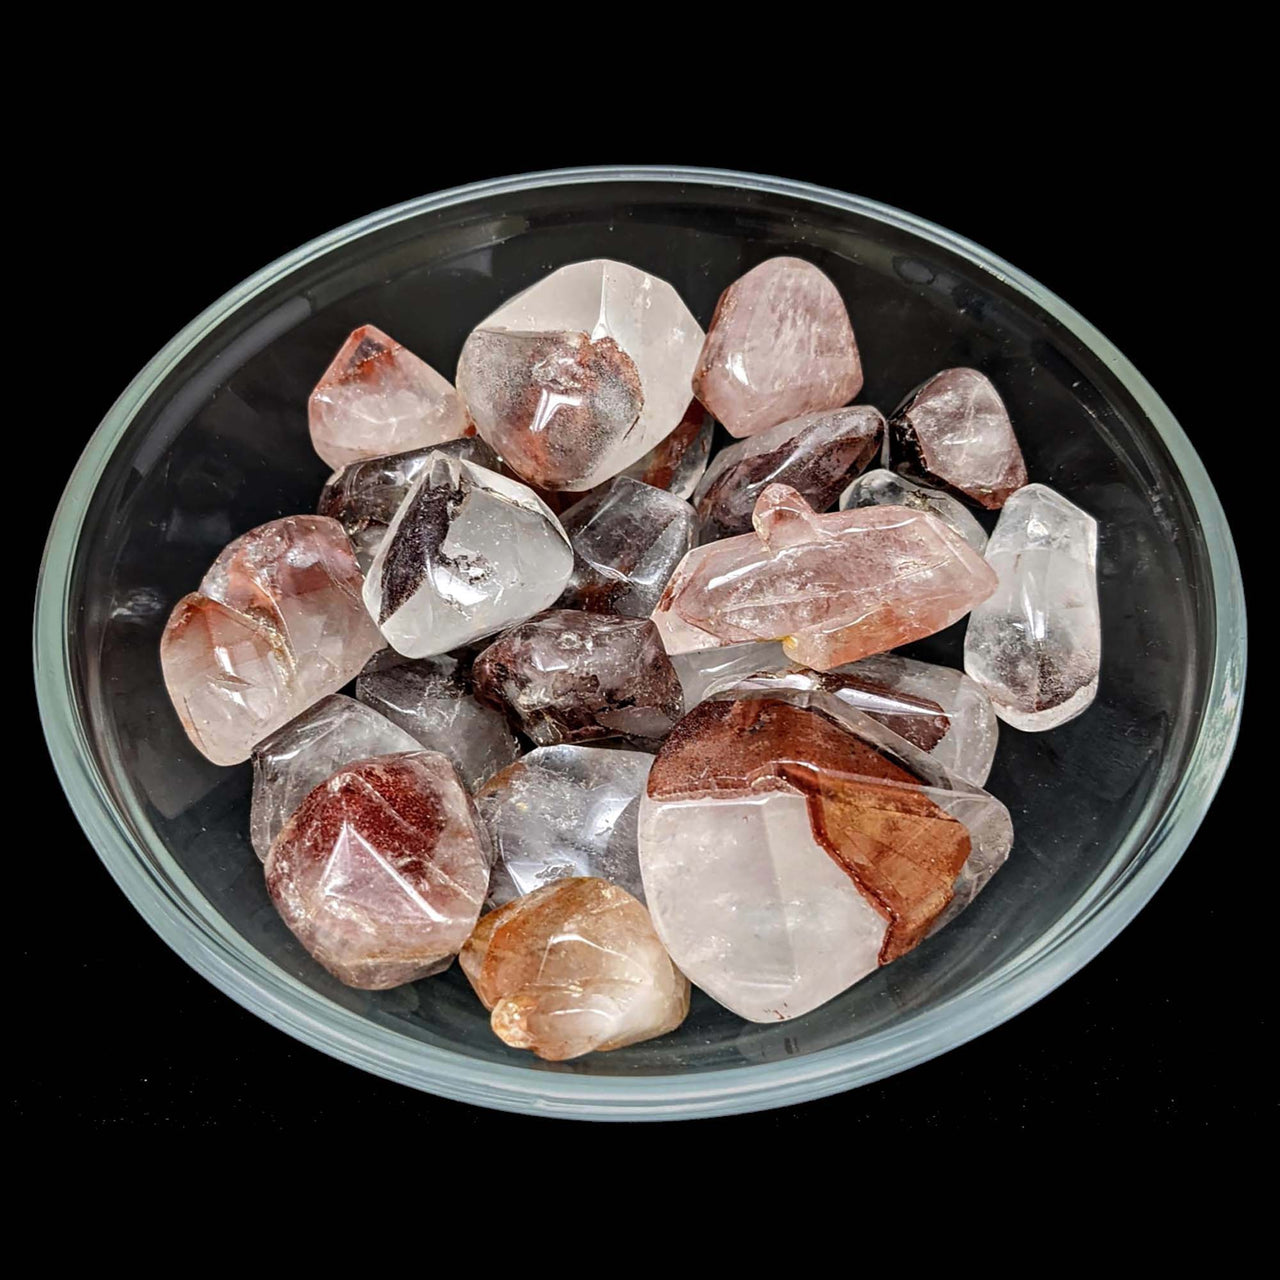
(1163,1029)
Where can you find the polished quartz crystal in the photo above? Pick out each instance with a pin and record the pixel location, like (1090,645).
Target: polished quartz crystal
(627,539)
(703,670)
(833,588)
(468,553)
(814,454)
(574,967)
(780,345)
(882,488)
(677,463)
(954,431)
(276,625)
(334,733)
(1036,645)
(382,870)
(564,811)
(378,398)
(432,700)
(570,676)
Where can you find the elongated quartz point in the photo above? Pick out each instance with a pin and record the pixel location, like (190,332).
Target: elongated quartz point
(377,398)
(1035,646)
(833,588)
(780,345)
(882,488)
(574,967)
(468,553)
(276,625)
(814,454)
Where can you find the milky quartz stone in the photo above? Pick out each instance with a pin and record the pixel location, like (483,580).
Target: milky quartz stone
(881,488)
(431,700)
(377,398)
(1036,645)
(954,432)
(468,553)
(556,411)
(337,731)
(382,870)
(627,539)
(833,588)
(574,967)
(814,454)
(780,345)
(564,811)
(277,625)
(677,463)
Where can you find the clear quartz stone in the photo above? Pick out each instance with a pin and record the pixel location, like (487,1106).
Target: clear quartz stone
(882,488)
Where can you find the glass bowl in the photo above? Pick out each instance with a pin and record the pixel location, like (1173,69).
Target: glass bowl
(211,439)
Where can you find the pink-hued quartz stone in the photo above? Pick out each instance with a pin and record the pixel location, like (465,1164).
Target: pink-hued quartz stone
(382,869)
(780,345)
(278,624)
(833,588)
(377,398)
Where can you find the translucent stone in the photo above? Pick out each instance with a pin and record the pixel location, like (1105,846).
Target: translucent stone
(814,454)
(882,488)
(378,398)
(780,345)
(954,431)
(1036,645)
(334,733)
(468,553)
(431,699)
(277,625)
(677,463)
(643,316)
(627,539)
(574,967)
(833,588)
(381,871)
(570,676)
(702,670)
(564,811)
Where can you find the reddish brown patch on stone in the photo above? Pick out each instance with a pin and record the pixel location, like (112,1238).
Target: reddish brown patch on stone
(922,722)
(665,456)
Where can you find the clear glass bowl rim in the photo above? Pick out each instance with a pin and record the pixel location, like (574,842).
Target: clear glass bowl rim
(160,891)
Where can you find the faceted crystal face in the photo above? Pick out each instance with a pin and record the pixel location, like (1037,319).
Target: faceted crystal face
(833,588)
(1036,645)
(643,317)
(627,539)
(432,700)
(570,676)
(814,454)
(954,431)
(780,345)
(276,625)
(377,398)
(704,670)
(468,553)
(882,488)
(574,967)
(564,811)
(381,871)
(677,463)
(334,733)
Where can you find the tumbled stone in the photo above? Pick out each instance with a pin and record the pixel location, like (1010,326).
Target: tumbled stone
(277,625)
(432,700)
(382,870)
(1036,645)
(365,496)
(468,553)
(780,345)
(574,967)
(954,431)
(287,766)
(377,398)
(570,676)
(677,463)
(564,811)
(702,670)
(814,454)
(619,309)
(882,488)
(627,539)
(833,588)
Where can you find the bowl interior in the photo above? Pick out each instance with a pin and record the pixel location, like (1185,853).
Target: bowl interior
(220,444)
